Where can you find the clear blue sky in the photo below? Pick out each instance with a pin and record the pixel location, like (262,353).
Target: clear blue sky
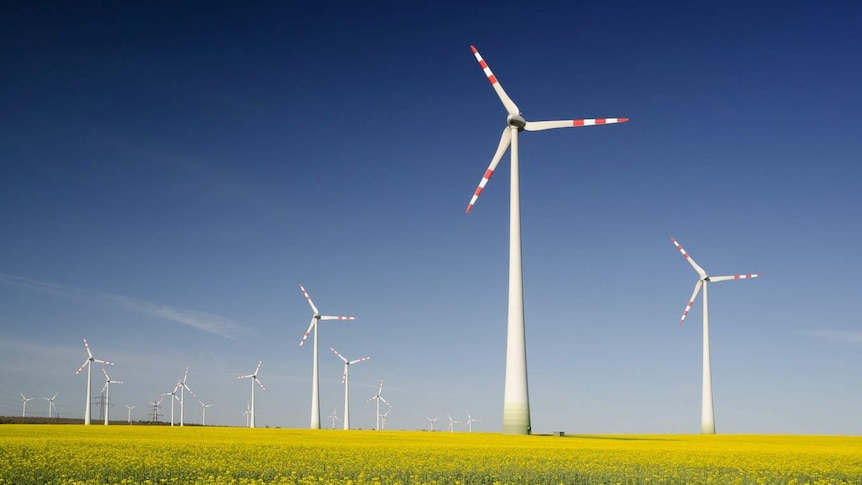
(170,173)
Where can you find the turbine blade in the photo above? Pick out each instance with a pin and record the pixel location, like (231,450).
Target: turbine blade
(505,141)
(510,105)
(338,317)
(82,366)
(697,287)
(117,382)
(186,375)
(87,346)
(190,390)
(547,125)
(339,355)
(713,279)
(259,383)
(258,369)
(358,360)
(103,362)
(380,389)
(311,303)
(310,326)
(688,258)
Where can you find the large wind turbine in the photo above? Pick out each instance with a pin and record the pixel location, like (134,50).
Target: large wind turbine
(316,317)
(51,406)
(107,390)
(184,387)
(707,415)
(24,408)
(254,379)
(345,379)
(516,401)
(89,364)
(173,394)
(379,397)
(431,420)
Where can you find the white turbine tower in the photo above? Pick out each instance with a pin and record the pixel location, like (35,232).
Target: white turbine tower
(316,317)
(334,416)
(378,397)
(130,413)
(51,407)
(173,394)
(431,420)
(107,390)
(204,410)
(452,423)
(470,421)
(184,387)
(254,379)
(24,409)
(516,402)
(345,379)
(707,415)
(89,364)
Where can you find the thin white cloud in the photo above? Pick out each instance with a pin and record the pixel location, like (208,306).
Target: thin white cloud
(206,322)
(853,337)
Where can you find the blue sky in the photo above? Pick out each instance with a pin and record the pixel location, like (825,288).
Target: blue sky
(172,173)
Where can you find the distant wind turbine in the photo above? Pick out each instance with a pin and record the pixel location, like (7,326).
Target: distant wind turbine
(316,317)
(254,379)
(452,423)
(247,414)
(707,415)
(378,397)
(107,390)
(89,364)
(156,405)
(130,413)
(470,421)
(516,403)
(173,394)
(384,415)
(431,420)
(184,387)
(334,416)
(345,379)
(24,408)
(51,406)
(204,409)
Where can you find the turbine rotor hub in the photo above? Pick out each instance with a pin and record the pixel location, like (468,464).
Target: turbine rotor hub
(517,121)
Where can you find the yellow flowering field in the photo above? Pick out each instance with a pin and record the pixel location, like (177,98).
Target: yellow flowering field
(70,454)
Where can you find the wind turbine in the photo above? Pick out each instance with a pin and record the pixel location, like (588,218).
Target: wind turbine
(452,423)
(383,416)
(516,402)
(130,413)
(25,399)
(173,394)
(254,379)
(345,379)
(470,421)
(334,416)
(51,406)
(707,415)
(156,405)
(316,317)
(247,414)
(378,397)
(107,390)
(184,387)
(89,364)
(204,409)
(431,420)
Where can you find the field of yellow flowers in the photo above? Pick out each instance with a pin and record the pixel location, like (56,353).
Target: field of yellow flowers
(57,454)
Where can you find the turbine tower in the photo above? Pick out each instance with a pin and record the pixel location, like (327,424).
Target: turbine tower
(378,397)
(516,401)
(107,390)
(707,414)
(345,379)
(89,364)
(51,407)
(316,317)
(24,408)
(254,379)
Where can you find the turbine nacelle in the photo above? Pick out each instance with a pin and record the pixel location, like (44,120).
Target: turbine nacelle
(517,121)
